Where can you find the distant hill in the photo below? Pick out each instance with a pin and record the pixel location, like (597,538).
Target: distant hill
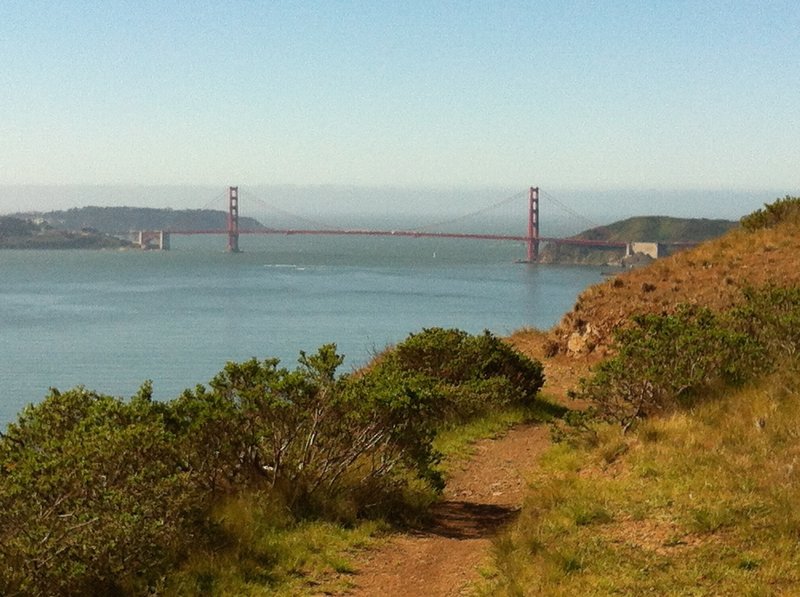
(116,220)
(16,233)
(661,229)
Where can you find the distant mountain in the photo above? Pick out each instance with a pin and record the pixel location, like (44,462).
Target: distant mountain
(117,220)
(657,229)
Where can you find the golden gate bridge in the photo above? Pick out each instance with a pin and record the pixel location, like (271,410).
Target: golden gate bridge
(532,239)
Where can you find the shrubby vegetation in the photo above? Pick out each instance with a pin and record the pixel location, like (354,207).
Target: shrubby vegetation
(773,214)
(470,374)
(703,500)
(100,495)
(664,361)
(94,494)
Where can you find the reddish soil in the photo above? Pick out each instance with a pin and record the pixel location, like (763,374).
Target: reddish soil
(481,497)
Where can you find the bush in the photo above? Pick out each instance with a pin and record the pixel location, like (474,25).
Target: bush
(93,497)
(666,360)
(772,214)
(306,434)
(663,361)
(472,374)
(771,316)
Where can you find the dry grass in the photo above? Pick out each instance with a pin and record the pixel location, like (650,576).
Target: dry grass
(700,503)
(712,274)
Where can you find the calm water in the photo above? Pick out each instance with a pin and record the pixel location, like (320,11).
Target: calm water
(109,320)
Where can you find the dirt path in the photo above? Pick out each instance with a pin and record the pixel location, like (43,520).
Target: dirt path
(443,559)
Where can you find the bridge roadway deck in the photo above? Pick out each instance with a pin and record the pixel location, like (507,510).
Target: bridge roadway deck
(412,234)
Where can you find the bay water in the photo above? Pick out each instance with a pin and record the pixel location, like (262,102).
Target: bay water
(108,320)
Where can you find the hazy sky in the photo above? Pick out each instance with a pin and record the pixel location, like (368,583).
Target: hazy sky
(641,94)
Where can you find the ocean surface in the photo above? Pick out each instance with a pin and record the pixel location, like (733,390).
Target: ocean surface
(109,320)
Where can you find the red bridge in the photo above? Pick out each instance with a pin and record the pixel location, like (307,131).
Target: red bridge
(160,239)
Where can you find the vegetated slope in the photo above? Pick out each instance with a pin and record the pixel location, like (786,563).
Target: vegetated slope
(698,497)
(124,219)
(204,494)
(660,229)
(701,502)
(16,233)
(712,274)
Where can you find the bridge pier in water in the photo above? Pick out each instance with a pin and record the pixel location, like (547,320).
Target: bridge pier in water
(153,239)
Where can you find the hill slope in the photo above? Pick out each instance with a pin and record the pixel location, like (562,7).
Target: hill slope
(123,219)
(712,274)
(660,229)
(697,499)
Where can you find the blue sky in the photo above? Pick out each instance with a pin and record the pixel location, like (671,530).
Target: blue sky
(565,95)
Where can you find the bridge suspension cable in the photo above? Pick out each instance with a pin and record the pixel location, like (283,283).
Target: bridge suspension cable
(215,202)
(289,214)
(569,210)
(477,212)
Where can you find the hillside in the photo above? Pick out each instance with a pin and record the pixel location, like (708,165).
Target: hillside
(660,229)
(16,233)
(694,492)
(113,220)
(712,274)
(692,504)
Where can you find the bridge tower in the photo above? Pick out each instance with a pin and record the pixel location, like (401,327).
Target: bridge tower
(233,219)
(532,242)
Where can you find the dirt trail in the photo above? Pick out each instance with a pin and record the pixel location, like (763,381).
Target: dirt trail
(482,496)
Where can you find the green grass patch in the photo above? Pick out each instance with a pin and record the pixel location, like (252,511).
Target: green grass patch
(695,503)
(456,443)
(258,550)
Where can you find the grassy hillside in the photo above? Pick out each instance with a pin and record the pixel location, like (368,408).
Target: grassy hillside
(695,503)
(712,275)
(696,493)
(123,219)
(659,229)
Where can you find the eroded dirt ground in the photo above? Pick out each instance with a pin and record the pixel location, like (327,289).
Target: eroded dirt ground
(483,495)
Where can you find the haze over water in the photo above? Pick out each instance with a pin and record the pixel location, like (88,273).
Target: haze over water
(110,320)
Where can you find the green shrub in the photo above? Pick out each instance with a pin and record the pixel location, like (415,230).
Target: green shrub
(772,214)
(663,361)
(93,497)
(306,433)
(771,316)
(472,374)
